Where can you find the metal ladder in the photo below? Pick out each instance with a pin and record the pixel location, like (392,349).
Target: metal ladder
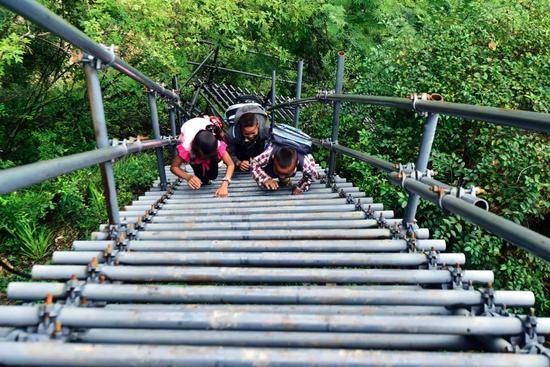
(263,278)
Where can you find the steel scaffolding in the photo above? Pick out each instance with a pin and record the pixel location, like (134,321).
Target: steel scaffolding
(328,278)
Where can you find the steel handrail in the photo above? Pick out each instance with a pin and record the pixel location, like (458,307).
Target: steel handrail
(528,120)
(15,178)
(504,228)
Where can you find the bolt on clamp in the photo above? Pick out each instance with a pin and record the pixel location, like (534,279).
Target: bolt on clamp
(411,242)
(400,231)
(432,258)
(124,142)
(382,222)
(469,194)
(73,289)
(322,176)
(410,237)
(488,296)
(148,90)
(92,271)
(95,62)
(415,97)
(395,231)
(48,313)
(107,254)
(529,342)
(122,241)
(457,275)
(409,171)
(359,207)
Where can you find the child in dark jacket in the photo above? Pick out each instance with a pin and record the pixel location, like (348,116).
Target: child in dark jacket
(247,137)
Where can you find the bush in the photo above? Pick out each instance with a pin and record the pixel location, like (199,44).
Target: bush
(498,64)
(65,209)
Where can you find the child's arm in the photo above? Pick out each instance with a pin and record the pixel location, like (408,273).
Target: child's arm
(175,168)
(309,173)
(223,191)
(258,163)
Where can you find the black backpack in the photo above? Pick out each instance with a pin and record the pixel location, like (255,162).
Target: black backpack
(288,136)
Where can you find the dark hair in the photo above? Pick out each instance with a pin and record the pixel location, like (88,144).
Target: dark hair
(204,145)
(247,120)
(285,157)
(217,131)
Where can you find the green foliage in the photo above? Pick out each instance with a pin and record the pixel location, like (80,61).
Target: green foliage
(66,208)
(440,47)
(35,241)
(12,48)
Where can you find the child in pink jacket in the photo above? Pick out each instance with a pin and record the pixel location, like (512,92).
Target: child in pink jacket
(202,146)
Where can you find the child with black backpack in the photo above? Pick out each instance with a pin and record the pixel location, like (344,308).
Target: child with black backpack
(288,152)
(202,146)
(247,133)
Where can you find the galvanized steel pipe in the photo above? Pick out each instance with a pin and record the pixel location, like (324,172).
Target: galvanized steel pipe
(296,309)
(265,246)
(56,354)
(102,141)
(298,91)
(259,275)
(508,230)
(311,295)
(301,259)
(336,115)
(256,210)
(421,164)
(15,178)
(151,99)
(270,234)
(228,320)
(373,161)
(235,199)
(527,120)
(275,339)
(338,216)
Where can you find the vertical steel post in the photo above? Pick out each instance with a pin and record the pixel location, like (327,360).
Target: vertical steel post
(298,91)
(172,119)
(273,94)
(176,87)
(151,97)
(213,71)
(194,101)
(421,164)
(102,139)
(336,115)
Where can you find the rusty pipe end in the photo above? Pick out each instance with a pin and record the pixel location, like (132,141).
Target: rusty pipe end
(436,97)
(94,262)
